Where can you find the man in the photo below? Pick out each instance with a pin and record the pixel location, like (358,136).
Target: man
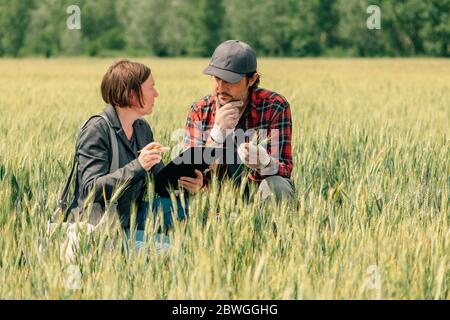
(236,111)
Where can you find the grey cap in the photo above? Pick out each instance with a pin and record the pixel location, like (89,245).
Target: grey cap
(231,60)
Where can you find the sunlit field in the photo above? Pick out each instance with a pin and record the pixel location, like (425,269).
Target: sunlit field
(371,144)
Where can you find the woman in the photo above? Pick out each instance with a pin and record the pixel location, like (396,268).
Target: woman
(129,90)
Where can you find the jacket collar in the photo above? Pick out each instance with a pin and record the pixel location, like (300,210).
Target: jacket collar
(111,113)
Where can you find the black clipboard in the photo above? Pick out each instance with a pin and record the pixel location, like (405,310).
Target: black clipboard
(184,165)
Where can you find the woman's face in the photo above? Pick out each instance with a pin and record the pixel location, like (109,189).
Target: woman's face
(149,94)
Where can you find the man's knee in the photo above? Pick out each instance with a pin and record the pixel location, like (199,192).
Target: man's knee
(277,186)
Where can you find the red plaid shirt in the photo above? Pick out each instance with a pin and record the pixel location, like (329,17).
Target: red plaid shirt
(266,110)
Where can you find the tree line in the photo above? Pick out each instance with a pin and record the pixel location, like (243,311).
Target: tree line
(288,28)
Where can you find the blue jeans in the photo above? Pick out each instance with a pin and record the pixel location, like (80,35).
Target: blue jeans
(165,205)
(162,241)
(159,204)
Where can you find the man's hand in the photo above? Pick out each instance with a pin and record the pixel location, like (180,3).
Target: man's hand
(193,185)
(254,156)
(226,119)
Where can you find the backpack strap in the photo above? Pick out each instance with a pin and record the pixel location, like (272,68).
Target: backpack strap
(62,202)
(114,147)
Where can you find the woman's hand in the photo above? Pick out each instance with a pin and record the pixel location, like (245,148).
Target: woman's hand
(193,185)
(151,155)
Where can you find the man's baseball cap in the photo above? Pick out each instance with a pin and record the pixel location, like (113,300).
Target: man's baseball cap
(231,60)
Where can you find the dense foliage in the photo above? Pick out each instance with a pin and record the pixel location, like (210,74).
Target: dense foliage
(195,27)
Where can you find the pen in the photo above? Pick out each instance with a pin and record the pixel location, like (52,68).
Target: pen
(161,149)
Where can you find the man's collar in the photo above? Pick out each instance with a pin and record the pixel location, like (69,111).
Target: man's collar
(250,103)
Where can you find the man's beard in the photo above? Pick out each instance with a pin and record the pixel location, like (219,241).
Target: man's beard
(227,98)
(224,98)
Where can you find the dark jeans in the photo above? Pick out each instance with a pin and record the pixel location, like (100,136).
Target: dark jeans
(164,205)
(167,207)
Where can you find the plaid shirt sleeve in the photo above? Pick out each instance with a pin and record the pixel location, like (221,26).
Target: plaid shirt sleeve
(193,131)
(279,146)
(283,124)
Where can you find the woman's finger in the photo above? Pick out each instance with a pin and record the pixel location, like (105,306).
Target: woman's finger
(146,153)
(152,158)
(187,186)
(199,174)
(158,150)
(191,184)
(187,183)
(152,145)
(154,151)
(151,155)
(189,179)
(164,149)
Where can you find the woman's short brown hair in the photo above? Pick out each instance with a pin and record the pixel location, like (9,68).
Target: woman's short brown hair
(122,79)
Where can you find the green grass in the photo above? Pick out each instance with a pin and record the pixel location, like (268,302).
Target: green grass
(371,144)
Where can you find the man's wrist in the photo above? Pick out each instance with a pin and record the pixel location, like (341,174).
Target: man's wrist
(217,135)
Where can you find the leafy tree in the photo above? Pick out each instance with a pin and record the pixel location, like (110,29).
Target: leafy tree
(173,34)
(48,19)
(436,31)
(101,26)
(305,33)
(326,20)
(355,37)
(205,22)
(15,17)
(196,27)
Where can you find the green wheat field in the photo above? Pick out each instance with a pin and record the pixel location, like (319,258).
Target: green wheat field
(371,144)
